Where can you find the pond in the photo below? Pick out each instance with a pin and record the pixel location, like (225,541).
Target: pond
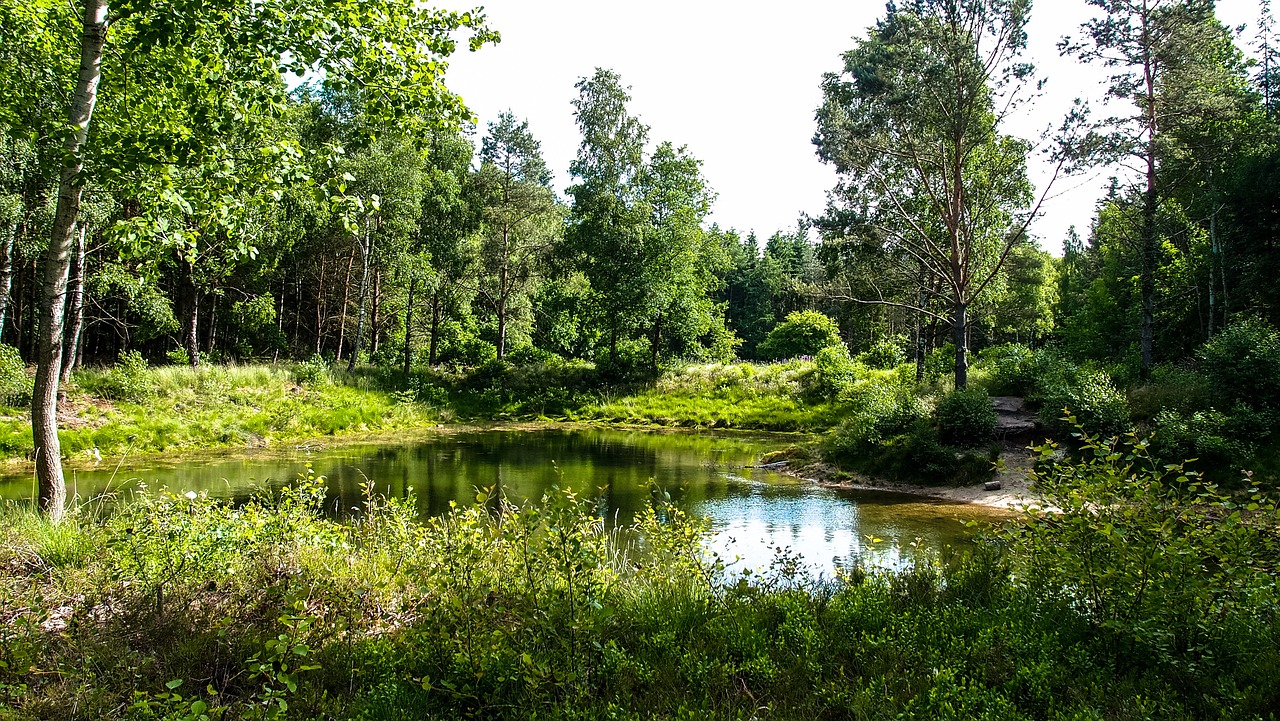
(753,511)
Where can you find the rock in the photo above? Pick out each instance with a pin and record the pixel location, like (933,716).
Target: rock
(993,486)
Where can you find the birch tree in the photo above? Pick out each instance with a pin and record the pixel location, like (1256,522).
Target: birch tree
(183,54)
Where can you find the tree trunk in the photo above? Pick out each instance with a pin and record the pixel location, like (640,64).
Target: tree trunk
(408,328)
(320,308)
(374,320)
(346,300)
(44,402)
(655,342)
(6,273)
(190,315)
(75,309)
(365,251)
(435,328)
(920,341)
(1147,281)
(960,337)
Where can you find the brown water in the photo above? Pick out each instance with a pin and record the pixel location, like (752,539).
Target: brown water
(754,512)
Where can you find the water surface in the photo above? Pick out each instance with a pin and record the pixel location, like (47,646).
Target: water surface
(755,512)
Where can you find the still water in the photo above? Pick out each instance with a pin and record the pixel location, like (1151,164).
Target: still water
(753,511)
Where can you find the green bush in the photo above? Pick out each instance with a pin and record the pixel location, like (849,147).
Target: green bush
(885,354)
(803,333)
(1243,364)
(15,384)
(940,362)
(966,418)
(1010,368)
(178,357)
(1092,398)
(879,410)
(834,372)
(312,372)
(1162,563)
(530,355)
(128,380)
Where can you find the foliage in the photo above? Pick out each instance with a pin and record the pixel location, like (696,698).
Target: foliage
(1242,364)
(966,418)
(15,384)
(885,354)
(312,372)
(834,372)
(1164,564)
(882,407)
(128,380)
(803,333)
(269,609)
(1091,397)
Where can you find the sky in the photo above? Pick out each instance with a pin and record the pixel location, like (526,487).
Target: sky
(738,83)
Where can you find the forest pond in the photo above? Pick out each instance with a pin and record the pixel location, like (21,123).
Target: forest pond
(753,511)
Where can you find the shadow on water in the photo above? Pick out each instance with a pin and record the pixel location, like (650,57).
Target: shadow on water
(753,511)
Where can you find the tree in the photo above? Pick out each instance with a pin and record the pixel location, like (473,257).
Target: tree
(522,220)
(802,333)
(680,262)
(1127,37)
(912,125)
(608,219)
(183,53)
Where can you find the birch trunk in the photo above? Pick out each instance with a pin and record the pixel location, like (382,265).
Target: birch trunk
(75,310)
(6,274)
(363,300)
(44,402)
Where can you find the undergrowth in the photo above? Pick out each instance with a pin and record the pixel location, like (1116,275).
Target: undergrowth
(182,607)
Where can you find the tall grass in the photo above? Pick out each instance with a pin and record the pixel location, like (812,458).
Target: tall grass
(178,407)
(182,607)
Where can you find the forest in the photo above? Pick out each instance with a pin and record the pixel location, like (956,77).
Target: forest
(231,225)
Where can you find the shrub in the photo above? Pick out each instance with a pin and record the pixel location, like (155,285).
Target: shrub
(1163,564)
(940,362)
(128,380)
(885,354)
(1243,364)
(530,355)
(1010,366)
(15,384)
(312,372)
(178,357)
(834,372)
(1218,441)
(1093,399)
(879,410)
(966,418)
(803,333)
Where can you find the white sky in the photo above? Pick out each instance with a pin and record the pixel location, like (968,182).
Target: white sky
(738,83)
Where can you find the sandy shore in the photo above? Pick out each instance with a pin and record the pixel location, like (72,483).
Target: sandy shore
(1015,488)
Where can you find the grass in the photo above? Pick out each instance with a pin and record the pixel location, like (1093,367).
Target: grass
(187,608)
(741,395)
(175,408)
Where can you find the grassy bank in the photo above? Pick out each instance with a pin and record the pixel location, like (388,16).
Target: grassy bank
(184,608)
(178,407)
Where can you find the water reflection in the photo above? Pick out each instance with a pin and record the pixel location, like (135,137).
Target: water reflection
(753,511)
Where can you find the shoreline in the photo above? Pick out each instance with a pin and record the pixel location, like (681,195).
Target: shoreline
(14,467)
(1015,491)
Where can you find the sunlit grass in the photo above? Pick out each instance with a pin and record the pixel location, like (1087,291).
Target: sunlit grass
(247,405)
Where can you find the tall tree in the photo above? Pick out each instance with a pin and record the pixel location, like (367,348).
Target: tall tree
(608,219)
(1127,38)
(520,214)
(912,125)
